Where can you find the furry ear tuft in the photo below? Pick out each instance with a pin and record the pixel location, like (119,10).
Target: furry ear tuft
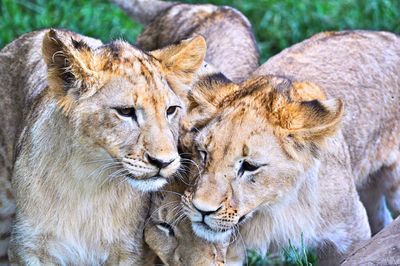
(184,59)
(203,104)
(205,97)
(306,91)
(301,110)
(68,61)
(311,120)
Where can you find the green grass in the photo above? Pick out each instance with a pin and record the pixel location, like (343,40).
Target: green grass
(95,18)
(281,23)
(277,23)
(289,256)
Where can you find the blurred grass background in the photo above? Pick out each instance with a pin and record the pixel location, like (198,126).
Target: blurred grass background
(277,23)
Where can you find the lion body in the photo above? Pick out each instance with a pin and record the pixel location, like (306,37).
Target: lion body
(361,68)
(18,90)
(231,45)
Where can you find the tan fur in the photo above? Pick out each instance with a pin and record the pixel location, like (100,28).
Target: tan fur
(362,68)
(17,90)
(231,46)
(308,170)
(80,163)
(143,11)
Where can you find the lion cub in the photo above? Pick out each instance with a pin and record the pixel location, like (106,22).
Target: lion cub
(99,128)
(275,160)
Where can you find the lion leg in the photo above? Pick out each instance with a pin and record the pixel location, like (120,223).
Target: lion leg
(391,187)
(236,255)
(373,199)
(344,235)
(328,255)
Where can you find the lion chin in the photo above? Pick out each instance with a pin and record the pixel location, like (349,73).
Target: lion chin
(148,185)
(205,232)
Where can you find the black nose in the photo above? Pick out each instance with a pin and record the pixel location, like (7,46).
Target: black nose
(157,162)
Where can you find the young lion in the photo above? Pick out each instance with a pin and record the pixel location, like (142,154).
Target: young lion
(275,161)
(100,131)
(13,75)
(231,46)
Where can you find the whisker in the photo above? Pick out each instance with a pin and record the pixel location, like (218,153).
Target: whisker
(174,192)
(111,176)
(244,246)
(161,207)
(102,168)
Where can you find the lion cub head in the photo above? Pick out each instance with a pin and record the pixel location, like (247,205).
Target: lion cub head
(260,143)
(124,103)
(169,234)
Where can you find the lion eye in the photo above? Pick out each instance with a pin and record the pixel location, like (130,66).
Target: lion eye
(127,112)
(203,155)
(167,228)
(247,167)
(172,109)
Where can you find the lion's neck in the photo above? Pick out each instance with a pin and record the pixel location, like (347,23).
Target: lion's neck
(269,228)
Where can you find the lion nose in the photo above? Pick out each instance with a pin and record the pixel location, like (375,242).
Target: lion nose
(205,209)
(158,162)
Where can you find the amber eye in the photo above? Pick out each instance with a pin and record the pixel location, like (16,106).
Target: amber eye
(127,112)
(172,109)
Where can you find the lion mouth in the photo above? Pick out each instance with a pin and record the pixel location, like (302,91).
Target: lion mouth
(151,178)
(241,219)
(207,227)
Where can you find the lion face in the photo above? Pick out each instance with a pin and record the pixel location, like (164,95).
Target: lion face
(137,126)
(256,152)
(169,234)
(123,103)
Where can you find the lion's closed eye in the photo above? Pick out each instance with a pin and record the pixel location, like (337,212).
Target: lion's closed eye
(249,167)
(166,228)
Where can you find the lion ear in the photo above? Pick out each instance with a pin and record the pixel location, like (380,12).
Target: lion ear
(68,61)
(184,59)
(205,97)
(312,120)
(306,91)
(301,110)
(204,103)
